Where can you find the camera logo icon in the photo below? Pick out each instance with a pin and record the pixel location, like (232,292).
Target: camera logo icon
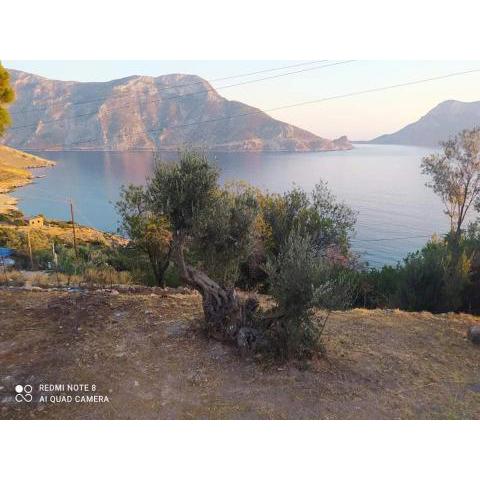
(24,393)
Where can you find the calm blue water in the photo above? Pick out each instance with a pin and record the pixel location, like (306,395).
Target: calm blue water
(382,182)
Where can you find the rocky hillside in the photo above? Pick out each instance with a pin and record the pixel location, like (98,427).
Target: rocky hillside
(14,173)
(445,120)
(145,113)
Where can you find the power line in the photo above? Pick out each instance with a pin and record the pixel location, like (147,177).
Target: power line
(268,70)
(158,100)
(282,107)
(169,87)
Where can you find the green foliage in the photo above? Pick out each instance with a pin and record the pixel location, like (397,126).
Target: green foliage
(319,215)
(224,233)
(182,191)
(221,229)
(455,176)
(438,278)
(149,233)
(217,222)
(434,279)
(422,279)
(68,263)
(301,279)
(13,217)
(7,95)
(377,288)
(12,239)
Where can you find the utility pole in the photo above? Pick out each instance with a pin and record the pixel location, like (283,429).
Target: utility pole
(30,248)
(4,270)
(73,226)
(55,262)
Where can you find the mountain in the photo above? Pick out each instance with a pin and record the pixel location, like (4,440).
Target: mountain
(140,112)
(439,124)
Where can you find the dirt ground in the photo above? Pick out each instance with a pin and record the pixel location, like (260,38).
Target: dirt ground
(146,354)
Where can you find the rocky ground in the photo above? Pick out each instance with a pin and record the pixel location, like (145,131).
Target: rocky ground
(146,353)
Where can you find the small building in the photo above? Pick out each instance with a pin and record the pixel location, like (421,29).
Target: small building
(36,221)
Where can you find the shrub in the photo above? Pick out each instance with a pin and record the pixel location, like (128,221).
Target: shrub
(302,279)
(378,288)
(433,279)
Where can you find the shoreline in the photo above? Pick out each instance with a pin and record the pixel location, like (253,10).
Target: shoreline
(15,172)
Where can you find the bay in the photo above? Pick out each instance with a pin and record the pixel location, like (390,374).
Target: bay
(396,212)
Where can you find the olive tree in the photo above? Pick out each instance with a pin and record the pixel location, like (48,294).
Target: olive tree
(187,194)
(455,177)
(148,232)
(214,230)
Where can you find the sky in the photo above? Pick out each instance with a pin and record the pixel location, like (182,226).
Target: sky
(361,117)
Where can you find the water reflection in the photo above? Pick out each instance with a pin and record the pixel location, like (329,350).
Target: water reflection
(383,183)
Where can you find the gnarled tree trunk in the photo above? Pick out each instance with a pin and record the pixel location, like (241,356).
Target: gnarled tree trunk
(227,316)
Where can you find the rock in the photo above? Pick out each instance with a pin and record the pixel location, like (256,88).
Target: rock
(264,134)
(32,288)
(474,334)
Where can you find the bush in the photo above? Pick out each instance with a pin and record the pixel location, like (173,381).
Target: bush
(13,217)
(433,279)
(437,278)
(301,280)
(378,288)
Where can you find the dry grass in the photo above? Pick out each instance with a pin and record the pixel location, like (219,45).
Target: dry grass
(146,353)
(63,280)
(106,276)
(12,278)
(42,237)
(42,280)
(92,277)
(18,159)
(13,173)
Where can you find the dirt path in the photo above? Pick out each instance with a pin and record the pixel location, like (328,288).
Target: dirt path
(145,353)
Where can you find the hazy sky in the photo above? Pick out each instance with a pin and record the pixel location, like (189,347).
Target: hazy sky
(360,118)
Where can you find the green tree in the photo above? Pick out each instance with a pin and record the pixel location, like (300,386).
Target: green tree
(7,96)
(224,235)
(148,233)
(214,230)
(188,195)
(455,177)
(319,215)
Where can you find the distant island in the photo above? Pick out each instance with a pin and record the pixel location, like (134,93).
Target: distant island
(442,122)
(141,112)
